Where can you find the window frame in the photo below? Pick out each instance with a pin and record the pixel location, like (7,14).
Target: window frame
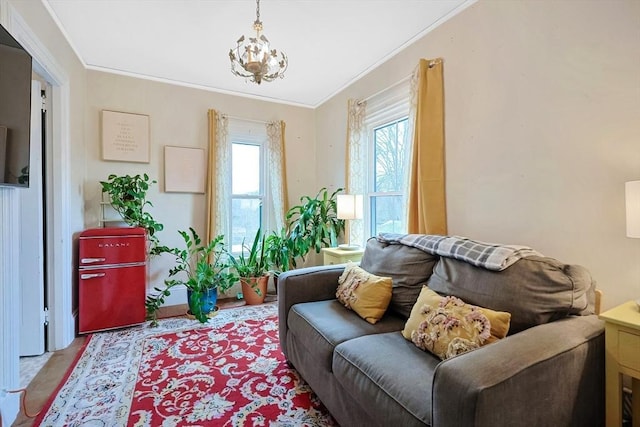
(389,108)
(253,134)
(372,192)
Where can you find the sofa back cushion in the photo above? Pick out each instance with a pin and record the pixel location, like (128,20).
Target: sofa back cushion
(408,267)
(534,290)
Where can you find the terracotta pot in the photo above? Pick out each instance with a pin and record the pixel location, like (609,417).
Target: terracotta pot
(249,287)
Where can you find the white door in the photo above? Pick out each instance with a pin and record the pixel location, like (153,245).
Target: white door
(31,255)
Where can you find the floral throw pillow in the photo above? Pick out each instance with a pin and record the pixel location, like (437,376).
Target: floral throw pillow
(365,293)
(447,326)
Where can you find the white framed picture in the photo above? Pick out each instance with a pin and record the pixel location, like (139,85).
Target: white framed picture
(125,137)
(185,169)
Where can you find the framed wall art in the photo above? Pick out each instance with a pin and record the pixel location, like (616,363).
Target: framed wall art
(185,169)
(125,137)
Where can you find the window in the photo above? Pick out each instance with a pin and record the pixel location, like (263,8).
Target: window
(388,142)
(249,193)
(388,185)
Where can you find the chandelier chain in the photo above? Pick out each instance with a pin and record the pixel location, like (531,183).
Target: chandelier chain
(257,10)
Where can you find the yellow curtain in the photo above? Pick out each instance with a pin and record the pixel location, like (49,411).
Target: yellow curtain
(211,177)
(285,189)
(426,203)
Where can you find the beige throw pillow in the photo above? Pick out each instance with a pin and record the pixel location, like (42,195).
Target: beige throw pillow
(366,294)
(447,326)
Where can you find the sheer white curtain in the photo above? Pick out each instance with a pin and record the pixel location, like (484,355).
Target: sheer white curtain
(219,167)
(356,162)
(411,125)
(276,167)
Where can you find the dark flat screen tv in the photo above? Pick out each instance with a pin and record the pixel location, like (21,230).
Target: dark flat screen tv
(15,111)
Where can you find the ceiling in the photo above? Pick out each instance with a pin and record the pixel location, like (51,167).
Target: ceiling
(329,43)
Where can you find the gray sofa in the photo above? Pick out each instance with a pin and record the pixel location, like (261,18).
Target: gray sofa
(548,371)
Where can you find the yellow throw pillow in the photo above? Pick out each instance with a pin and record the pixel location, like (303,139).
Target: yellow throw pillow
(366,294)
(447,326)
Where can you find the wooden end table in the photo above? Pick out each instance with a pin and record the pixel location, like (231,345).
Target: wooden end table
(340,256)
(622,352)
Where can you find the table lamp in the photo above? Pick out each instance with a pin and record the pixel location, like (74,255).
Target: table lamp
(349,206)
(632,199)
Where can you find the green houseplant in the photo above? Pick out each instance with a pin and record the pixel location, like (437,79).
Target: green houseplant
(313,224)
(280,251)
(205,272)
(128,196)
(252,266)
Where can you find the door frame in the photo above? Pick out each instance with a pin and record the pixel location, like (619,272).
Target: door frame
(61,331)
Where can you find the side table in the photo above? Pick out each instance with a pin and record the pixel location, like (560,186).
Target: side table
(622,352)
(340,256)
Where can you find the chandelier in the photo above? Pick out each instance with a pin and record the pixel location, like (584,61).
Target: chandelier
(256,60)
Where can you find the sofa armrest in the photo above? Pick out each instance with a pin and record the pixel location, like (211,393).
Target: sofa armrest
(548,375)
(304,285)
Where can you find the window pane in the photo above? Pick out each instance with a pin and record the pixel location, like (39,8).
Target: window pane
(245,178)
(245,221)
(389,152)
(387,215)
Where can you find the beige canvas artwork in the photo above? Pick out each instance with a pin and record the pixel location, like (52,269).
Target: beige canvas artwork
(184,169)
(125,137)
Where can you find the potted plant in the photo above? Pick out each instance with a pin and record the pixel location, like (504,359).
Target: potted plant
(128,196)
(206,271)
(280,251)
(313,224)
(252,267)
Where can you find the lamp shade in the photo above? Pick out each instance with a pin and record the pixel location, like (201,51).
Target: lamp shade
(349,206)
(632,200)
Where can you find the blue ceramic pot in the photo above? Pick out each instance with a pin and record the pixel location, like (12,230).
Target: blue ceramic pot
(207,300)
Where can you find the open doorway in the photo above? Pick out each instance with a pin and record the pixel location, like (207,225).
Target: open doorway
(33,231)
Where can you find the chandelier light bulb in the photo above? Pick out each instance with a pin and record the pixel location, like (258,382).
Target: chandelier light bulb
(255,60)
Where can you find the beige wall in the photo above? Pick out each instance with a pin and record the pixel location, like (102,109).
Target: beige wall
(542,128)
(542,111)
(47,32)
(178,117)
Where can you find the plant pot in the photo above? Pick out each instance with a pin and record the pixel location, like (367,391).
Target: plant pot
(249,287)
(207,301)
(211,314)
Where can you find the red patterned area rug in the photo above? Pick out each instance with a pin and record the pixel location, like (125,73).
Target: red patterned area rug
(229,372)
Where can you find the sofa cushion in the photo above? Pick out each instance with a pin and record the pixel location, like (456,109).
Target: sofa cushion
(409,268)
(446,326)
(387,376)
(322,325)
(363,292)
(535,290)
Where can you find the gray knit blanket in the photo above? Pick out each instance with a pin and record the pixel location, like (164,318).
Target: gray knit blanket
(486,255)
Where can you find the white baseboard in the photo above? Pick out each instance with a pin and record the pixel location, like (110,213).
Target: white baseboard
(178,296)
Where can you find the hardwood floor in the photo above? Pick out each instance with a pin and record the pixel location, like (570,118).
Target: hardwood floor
(46,381)
(51,375)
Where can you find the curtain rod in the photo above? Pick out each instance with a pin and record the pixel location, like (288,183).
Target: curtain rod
(391,86)
(404,79)
(245,120)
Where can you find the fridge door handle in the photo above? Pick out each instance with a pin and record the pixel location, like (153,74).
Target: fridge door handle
(91,275)
(91,260)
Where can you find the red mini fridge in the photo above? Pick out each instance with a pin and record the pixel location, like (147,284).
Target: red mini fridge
(112,275)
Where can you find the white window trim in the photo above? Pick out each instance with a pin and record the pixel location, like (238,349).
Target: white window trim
(250,133)
(385,108)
